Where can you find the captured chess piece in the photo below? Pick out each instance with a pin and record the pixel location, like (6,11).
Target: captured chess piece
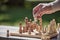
(20,28)
(7,33)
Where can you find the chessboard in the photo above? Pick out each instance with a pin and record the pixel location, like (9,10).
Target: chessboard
(33,30)
(33,36)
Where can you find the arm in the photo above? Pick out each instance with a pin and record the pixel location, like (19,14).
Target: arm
(55,6)
(46,8)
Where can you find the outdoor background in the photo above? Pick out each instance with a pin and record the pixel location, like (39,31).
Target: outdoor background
(14,11)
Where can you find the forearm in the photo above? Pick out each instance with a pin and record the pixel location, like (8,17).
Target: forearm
(55,5)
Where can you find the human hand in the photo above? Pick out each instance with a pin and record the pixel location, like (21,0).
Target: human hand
(41,9)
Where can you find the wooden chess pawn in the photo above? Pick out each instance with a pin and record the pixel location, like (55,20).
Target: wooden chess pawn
(58,26)
(20,28)
(50,30)
(36,27)
(30,20)
(40,22)
(29,24)
(53,26)
(7,33)
(26,20)
(54,23)
(29,31)
(24,29)
(44,29)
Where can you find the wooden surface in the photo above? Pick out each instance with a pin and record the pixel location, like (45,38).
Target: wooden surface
(32,36)
(25,35)
(14,29)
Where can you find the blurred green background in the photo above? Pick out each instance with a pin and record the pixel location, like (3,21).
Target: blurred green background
(14,11)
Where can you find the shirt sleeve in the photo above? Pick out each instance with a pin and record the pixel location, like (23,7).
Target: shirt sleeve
(55,5)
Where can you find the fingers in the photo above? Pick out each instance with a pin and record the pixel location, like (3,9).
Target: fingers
(44,10)
(35,9)
(41,9)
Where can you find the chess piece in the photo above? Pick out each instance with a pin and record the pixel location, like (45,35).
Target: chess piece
(30,25)
(48,29)
(44,29)
(20,28)
(58,37)
(34,25)
(31,28)
(37,27)
(7,33)
(58,26)
(52,27)
(30,20)
(44,37)
(29,31)
(26,22)
(24,29)
(40,21)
